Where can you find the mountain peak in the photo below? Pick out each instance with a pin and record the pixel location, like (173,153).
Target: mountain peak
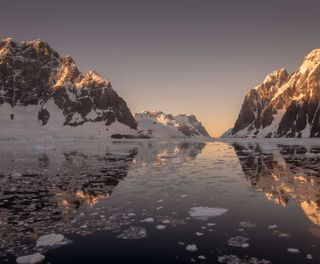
(274,78)
(310,62)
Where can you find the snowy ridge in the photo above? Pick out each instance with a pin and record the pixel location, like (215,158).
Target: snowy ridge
(159,124)
(283,105)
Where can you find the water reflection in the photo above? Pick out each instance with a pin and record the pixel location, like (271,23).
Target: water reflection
(52,190)
(284,173)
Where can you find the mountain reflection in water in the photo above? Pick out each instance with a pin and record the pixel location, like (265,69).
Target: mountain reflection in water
(47,190)
(284,173)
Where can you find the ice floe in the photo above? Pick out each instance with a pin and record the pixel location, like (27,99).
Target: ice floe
(293,250)
(247,224)
(133,232)
(281,234)
(52,240)
(238,241)
(204,213)
(233,259)
(30,259)
(191,248)
(160,227)
(148,220)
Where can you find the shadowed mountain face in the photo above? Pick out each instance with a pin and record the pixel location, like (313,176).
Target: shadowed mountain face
(283,105)
(35,78)
(285,173)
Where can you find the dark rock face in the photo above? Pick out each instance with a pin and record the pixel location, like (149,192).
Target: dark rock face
(32,73)
(283,105)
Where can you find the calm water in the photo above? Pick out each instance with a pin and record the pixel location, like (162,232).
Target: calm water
(131,202)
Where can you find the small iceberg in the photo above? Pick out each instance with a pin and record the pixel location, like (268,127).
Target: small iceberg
(52,240)
(204,213)
(293,250)
(30,259)
(191,248)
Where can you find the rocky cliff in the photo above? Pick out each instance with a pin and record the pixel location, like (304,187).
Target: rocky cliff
(283,105)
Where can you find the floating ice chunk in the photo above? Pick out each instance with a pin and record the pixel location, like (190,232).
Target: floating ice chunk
(191,248)
(52,240)
(204,213)
(293,250)
(160,227)
(43,147)
(159,208)
(131,214)
(309,256)
(268,148)
(202,257)
(211,224)
(233,259)
(281,234)
(181,243)
(16,174)
(199,234)
(272,226)
(30,259)
(183,195)
(134,232)
(238,241)
(160,201)
(148,220)
(247,224)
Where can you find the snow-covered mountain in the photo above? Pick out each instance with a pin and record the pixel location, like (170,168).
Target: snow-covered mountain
(43,93)
(158,124)
(283,105)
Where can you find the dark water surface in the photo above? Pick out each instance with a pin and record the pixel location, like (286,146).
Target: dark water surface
(131,202)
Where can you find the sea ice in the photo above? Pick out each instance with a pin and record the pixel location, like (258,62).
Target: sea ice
(233,259)
(148,220)
(281,234)
(160,227)
(293,250)
(247,224)
(204,213)
(16,174)
(134,232)
(30,259)
(52,240)
(191,248)
(238,241)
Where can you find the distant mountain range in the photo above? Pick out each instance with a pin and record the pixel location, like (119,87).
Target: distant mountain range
(159,124)
(283,105)
(43,94)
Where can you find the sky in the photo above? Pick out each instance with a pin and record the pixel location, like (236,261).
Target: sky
(192,57)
